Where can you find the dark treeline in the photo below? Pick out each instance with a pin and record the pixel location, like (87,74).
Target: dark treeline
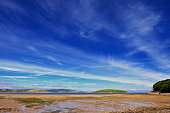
(162,86)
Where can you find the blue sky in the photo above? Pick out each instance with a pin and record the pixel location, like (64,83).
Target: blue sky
(84,44)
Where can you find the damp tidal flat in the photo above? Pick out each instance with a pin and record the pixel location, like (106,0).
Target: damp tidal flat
(119,103)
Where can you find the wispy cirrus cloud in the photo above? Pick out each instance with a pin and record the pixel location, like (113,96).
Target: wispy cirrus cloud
(9,4)
(141,22)
(32,48)
(139,19)
(10,69)
(128,69)
(135,69)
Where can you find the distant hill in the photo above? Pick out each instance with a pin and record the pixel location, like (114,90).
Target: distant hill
(162,86)
(38,91)
(41,91)
(24,91)
(9,90)
(64,91)
(110,91)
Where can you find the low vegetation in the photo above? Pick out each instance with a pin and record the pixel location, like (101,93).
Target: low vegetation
(2,97)
(76,98)
(30,102)
(110,91)
(162,86)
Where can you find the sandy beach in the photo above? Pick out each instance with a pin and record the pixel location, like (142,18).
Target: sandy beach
(117,103)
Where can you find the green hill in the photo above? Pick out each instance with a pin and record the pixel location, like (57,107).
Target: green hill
(110,91)
(162,86)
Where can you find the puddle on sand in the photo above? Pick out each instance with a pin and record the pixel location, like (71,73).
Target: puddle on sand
(73,105)
(23,108)
(133,104)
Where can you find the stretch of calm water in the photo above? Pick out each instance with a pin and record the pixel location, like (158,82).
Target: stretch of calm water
(62,93)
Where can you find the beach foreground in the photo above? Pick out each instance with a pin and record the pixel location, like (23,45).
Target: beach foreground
(116,103)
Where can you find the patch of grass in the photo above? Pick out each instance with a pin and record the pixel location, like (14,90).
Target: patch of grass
(29,106)
(77,98)
(2,97)
(33,100)
(60,99)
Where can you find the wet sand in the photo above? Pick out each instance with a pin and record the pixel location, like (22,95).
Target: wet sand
(11,106)
(126,103)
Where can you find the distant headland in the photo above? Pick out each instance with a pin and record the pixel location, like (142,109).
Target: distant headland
(110,91)
(40,91)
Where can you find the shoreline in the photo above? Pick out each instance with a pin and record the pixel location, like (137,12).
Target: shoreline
(14,93)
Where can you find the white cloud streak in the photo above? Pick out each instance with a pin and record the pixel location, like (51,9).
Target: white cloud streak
(16,77)
(39,71)
(131,69)
(10,69)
